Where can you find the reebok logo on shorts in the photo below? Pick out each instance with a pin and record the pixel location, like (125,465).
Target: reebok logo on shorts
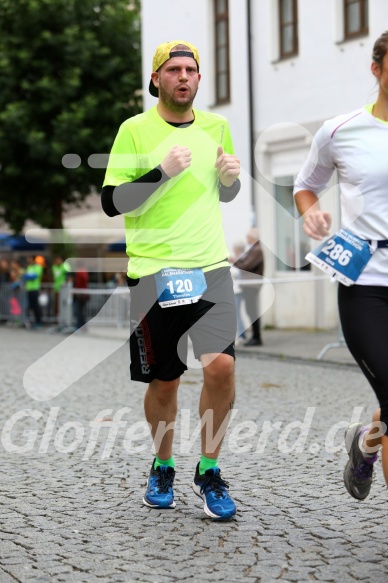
(146,354)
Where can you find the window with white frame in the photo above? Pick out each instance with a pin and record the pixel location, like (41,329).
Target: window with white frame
(288,28)
(221,51)
(356,21)
(292,244)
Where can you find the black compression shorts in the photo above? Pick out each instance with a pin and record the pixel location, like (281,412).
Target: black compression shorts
(159,336)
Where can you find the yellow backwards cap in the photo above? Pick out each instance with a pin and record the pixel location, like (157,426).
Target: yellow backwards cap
(164,52)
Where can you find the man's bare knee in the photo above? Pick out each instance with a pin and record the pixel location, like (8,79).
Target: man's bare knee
(219,369)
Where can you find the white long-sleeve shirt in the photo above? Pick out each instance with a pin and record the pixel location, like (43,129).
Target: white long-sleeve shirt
(356,145)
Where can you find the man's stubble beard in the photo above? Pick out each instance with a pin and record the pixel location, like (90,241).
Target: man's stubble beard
(174,105)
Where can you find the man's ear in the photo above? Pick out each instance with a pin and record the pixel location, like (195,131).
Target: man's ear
(155,78)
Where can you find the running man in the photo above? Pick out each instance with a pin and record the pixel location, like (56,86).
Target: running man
(168,170)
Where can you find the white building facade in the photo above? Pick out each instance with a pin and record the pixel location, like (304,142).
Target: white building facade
(276,69)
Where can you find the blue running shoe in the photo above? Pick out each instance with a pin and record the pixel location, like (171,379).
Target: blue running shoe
(214,492)
(159,492)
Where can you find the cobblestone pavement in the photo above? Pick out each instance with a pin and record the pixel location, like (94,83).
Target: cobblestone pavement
(71,492)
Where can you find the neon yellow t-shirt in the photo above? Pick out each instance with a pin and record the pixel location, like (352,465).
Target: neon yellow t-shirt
(59,275)
(34,284)
(180,224)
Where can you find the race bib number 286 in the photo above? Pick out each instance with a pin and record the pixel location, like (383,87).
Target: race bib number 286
(343,256)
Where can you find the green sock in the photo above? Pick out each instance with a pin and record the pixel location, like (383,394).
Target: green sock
(158,462)
(206,463)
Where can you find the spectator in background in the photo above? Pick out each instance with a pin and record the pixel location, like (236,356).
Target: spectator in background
(80,282)
(15,272)
(4,288)
(4,271)
(15,276)
(33,281)
(59,272)
(252,265)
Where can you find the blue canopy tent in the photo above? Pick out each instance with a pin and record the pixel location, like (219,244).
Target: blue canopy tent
(118,247)
(18,243)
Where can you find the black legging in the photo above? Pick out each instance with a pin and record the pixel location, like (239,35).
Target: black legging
(33,305)
(364,319)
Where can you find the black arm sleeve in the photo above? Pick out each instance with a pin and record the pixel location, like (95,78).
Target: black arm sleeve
(117,200)
(227,194)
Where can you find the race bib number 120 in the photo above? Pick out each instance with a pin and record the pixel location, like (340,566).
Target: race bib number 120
(342,256)
(177,287)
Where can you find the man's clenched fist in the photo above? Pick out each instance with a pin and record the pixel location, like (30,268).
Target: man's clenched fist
(177,160)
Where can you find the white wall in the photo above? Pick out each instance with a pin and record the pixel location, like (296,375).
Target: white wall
(327,78)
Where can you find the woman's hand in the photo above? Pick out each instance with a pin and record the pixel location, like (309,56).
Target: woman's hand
(317,224)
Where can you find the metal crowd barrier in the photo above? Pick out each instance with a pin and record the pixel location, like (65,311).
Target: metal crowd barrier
(105,306)
(14,304)
(57,309)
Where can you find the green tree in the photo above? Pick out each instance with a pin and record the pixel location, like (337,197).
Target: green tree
(70,73)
